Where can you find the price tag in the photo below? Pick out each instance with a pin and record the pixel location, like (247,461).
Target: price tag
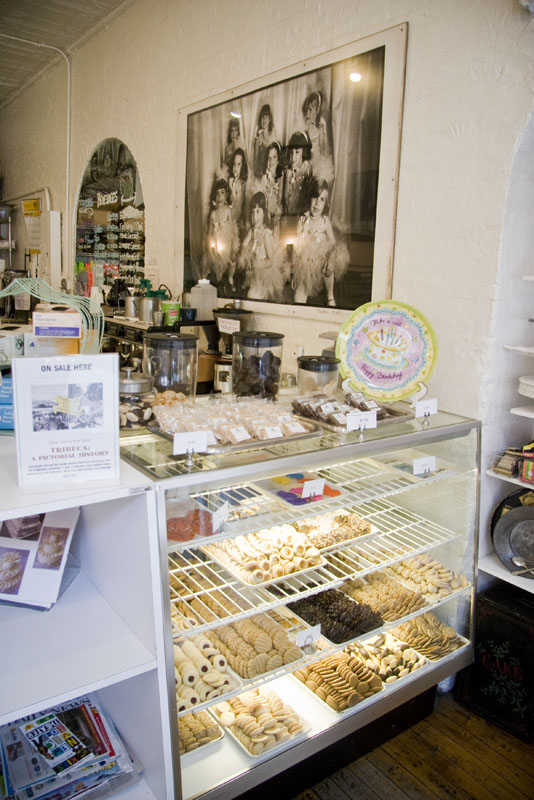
(358,420)
(309,636)
(190,442)
(240,434)
(423,408)
(274,432)
(219,517)
(423,465)
(228,325)
(313,488)
(211,438)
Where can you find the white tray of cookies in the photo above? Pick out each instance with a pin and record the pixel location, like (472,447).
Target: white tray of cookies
(256,647)
(201,673)
(340,681)
(266,556)
(260,723)
(333,530)
(198,732)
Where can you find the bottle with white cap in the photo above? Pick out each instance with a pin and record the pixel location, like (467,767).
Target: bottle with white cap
(204,299)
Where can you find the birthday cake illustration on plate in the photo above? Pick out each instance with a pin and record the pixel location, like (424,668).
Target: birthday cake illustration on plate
(387,347)
(386,350)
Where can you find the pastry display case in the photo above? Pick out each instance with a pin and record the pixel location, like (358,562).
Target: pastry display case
(309,587)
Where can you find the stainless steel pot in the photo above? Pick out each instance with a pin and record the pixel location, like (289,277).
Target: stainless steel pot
(146,306)
(131,307)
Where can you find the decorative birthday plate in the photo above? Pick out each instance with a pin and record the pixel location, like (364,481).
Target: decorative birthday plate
(386,349)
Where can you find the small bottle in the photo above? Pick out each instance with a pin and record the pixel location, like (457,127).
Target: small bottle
(204,299)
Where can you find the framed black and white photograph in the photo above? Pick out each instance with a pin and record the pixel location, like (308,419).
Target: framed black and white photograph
(287,186)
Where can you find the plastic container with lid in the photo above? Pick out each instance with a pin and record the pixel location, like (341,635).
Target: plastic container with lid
(171,359)
(204,299)
(318,374)
(256,363)
(136,394)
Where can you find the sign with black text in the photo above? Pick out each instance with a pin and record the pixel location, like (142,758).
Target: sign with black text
(66,418)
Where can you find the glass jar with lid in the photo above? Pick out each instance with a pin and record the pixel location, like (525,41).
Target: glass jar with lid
(318,374)
(171,360)
(256,363)
(136,395)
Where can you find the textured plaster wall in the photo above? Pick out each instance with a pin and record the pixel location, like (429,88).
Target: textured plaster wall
(469,92)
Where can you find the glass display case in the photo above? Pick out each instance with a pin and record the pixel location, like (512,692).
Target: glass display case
(313,585)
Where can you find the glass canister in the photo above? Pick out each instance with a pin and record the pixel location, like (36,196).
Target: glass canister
(171,360)
(136,394)
(256,363)
(318,374)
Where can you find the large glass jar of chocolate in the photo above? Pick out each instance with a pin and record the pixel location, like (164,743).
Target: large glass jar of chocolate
(318,374)
(135,399)
(171,360)
(256,363)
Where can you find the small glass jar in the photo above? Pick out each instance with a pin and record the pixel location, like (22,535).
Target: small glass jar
(256,364)
(136,395)
(171,360)
(318,374)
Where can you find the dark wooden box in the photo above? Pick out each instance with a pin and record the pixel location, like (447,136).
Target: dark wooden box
(499,684)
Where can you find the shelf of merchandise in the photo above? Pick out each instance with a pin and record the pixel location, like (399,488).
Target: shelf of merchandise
(104,633)
(410,516)
(491,565)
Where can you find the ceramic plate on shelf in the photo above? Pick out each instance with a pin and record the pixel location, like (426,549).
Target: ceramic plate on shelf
(386,350)
(513,540)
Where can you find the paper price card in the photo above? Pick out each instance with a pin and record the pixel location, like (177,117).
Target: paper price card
(357,421)
(307,637)
(313,488)
(228,325)
(192,442)
(424,408)
(219,517)
(423,465)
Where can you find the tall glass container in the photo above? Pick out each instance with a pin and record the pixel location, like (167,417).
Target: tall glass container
(256,363)
(171,360)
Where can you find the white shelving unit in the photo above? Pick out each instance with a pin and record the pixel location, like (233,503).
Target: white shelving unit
(104,633)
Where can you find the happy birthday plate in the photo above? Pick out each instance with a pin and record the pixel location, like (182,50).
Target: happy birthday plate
(387,350)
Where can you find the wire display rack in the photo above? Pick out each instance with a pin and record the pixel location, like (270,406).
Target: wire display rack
(204,594)
(251,509)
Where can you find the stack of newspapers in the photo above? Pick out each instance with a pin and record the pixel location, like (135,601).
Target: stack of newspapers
(70,750)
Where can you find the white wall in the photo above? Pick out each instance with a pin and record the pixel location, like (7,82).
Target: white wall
(469,92)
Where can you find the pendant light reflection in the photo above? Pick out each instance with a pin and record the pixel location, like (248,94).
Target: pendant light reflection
(355,77)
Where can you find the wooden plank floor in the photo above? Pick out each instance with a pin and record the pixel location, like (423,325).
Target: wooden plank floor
(452,755)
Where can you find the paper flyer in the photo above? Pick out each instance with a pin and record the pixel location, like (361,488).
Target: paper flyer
(66,419)
(33,554)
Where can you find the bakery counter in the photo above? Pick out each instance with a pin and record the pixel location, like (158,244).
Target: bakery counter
(312,586)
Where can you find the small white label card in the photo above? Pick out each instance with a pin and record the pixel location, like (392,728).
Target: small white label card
(313,488)
(219,517)
(308,636)
(421,466)
(361,420)
(424,408)
(190,442)
(274,432)
(228,325)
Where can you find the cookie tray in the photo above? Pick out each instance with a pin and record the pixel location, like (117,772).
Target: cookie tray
(203,748)
(206,551)
(312,429)
(346,711)
(272,751)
